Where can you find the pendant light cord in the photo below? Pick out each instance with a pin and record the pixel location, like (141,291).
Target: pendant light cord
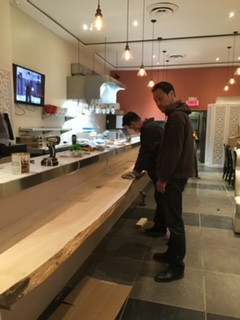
(153,22)
(127,19)
(143,30)
(233,53)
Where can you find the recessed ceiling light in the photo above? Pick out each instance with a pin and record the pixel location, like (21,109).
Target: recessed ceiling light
(231,14)
(85,27)
(135,23)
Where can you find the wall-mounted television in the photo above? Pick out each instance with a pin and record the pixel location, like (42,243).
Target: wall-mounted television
(29,86)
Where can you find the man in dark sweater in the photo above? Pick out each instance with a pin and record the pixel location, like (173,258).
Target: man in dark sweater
(176,164)
(150,139)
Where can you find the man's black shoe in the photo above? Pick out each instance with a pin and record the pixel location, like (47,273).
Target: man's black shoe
(161,257)
(169,275)
(154,231)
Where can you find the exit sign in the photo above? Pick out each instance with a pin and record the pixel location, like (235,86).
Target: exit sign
(192,102)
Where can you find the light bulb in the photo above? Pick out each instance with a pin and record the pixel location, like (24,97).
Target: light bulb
(141,72)
(226,88)
(232,81)
(237,72)
(98,22)
(151,83)
(127,54)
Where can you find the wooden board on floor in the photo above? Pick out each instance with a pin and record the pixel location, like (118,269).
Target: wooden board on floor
(93,299)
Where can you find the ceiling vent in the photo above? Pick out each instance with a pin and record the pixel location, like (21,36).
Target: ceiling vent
(161,9)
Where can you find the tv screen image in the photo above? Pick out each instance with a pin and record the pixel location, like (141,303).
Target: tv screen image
(29,86)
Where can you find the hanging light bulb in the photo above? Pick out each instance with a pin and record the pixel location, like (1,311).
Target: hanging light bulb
(226,88)
(159,56)
(151,82)
(237,72)
(127,54)
(232,80)
(98,20)
(141,71)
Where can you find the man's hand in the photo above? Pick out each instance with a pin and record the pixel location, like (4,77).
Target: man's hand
(131,175)
(161,186)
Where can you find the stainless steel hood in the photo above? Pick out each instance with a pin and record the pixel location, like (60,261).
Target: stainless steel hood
(93,87)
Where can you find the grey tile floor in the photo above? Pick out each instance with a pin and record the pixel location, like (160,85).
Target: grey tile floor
(210,289)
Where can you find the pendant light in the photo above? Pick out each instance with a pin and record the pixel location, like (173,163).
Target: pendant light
(159,56)
(127,54)
(164,60)
(232,80)
(141,71)
(151,82)
(226,88)
(98,20)
(237,72)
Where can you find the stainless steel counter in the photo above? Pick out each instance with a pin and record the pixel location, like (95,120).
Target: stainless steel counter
(11,184)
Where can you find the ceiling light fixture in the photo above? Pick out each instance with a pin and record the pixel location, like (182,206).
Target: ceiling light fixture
(159,56)
(98,20)
(142,72)
(164,60)
(151,82)
(232,80)
(226,88)
(127,54)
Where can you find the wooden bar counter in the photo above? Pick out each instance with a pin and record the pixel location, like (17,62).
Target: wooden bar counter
(53,218)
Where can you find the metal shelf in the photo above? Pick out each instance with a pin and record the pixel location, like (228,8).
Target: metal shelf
(43,129)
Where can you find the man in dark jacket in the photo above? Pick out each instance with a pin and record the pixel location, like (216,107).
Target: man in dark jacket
(176,164)
(150,139)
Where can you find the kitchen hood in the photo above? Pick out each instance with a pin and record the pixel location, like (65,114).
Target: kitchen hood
(93,87)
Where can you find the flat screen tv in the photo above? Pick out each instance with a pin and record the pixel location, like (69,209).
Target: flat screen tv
(29,86)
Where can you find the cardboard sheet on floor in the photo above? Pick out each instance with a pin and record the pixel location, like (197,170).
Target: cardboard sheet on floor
(93,299)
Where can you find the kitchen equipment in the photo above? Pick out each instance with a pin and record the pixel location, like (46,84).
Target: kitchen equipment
(51,141)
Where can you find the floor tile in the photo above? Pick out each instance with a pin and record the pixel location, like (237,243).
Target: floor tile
(185,293)
(211,221)
(191,218)
(219,317)
(113,269)
(129,247)
(205,186)
(222,294)
(221,259)
(143,310)
(220,238)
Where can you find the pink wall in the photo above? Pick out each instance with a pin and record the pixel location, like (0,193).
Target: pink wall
(204,83)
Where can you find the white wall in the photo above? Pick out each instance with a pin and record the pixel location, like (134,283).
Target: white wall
(35,47)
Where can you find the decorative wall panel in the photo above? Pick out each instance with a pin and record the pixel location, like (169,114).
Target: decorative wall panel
(222,122)
(5,91)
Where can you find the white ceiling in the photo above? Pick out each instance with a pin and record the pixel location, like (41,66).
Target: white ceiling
(199,30)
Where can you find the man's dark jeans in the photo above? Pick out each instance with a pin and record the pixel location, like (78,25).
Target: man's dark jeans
(172,201)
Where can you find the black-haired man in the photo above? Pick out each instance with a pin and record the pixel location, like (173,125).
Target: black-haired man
(176,164)
(150,139)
